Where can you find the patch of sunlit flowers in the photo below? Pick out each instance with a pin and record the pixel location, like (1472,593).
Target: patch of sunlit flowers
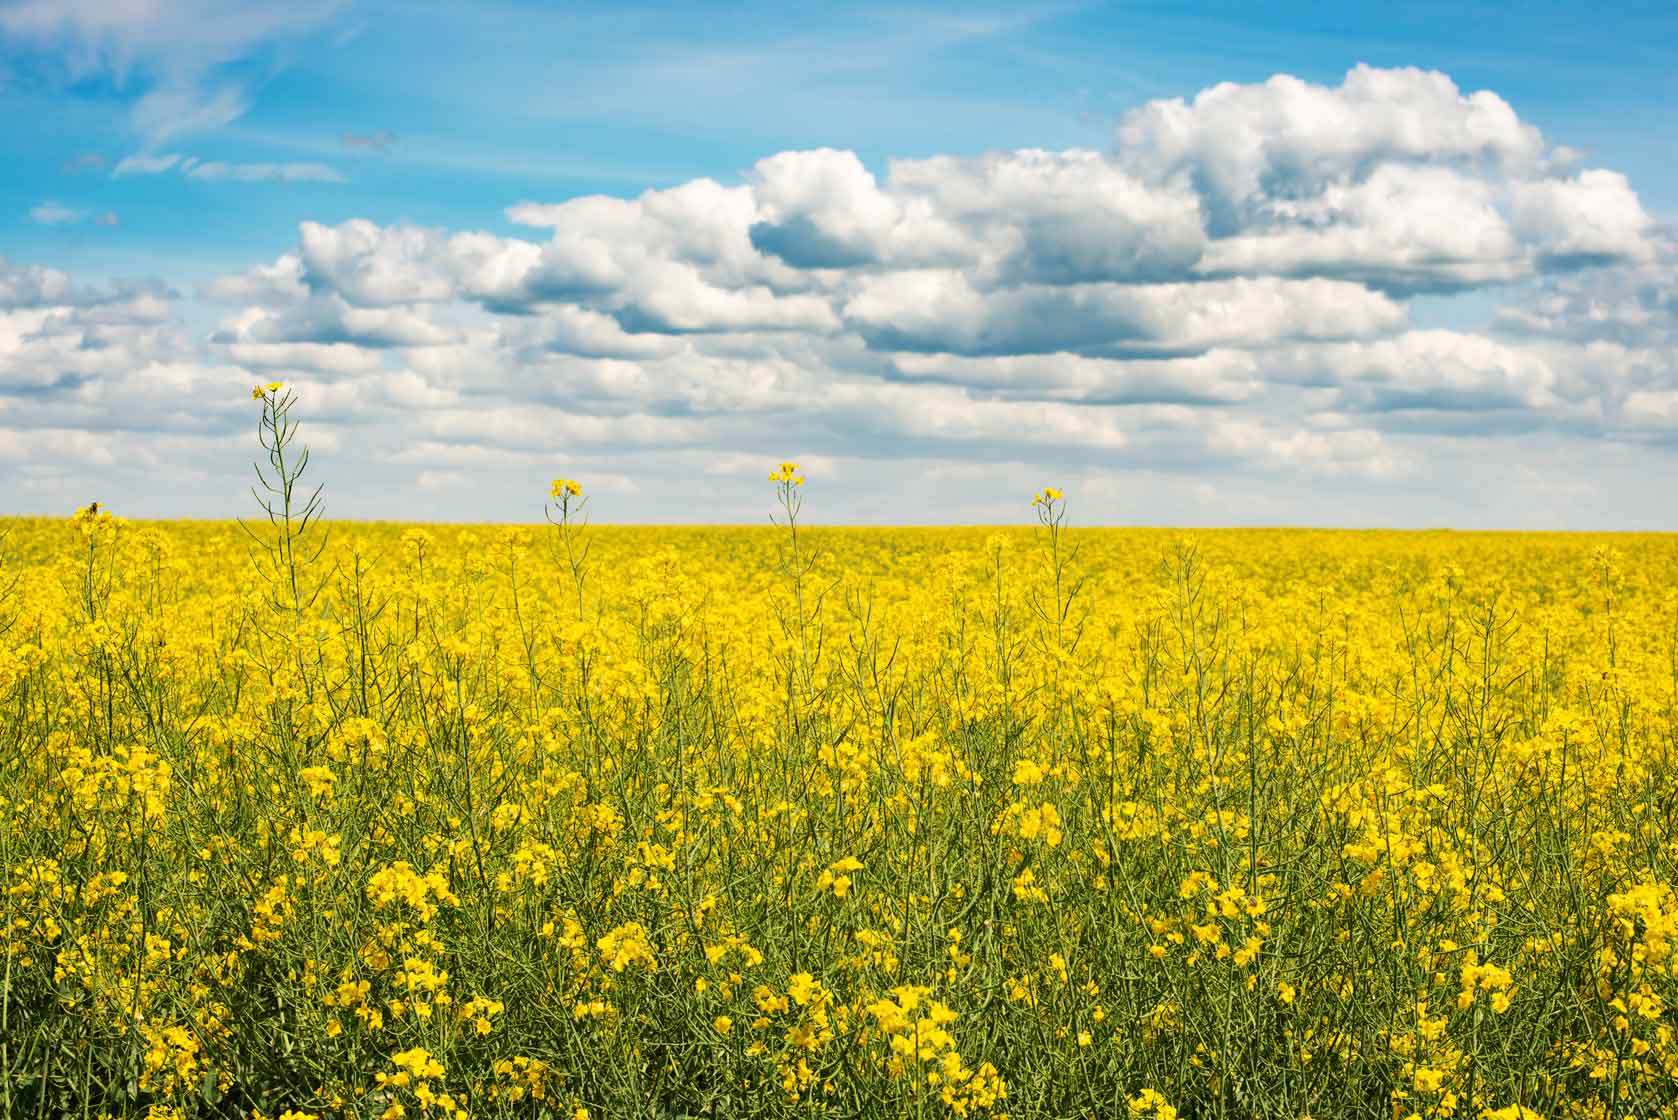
(586,821)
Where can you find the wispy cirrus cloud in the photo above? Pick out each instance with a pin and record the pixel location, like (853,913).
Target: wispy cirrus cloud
(145,164)
(217,171)
(378,141)
(195,63)
(57,214)
(54,214)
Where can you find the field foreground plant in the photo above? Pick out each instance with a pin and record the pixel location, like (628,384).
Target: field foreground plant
(800,821)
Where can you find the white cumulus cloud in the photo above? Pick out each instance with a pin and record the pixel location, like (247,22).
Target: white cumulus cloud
(1223,300)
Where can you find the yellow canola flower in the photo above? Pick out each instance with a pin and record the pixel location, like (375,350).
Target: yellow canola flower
(1150,1102)
(1048,496)
(836,877)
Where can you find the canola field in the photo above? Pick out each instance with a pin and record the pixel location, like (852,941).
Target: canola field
(584,821)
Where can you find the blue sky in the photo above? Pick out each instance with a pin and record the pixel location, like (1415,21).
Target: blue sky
(1411,268)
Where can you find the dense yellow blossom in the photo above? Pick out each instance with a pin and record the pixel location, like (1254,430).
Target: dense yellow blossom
(592,821)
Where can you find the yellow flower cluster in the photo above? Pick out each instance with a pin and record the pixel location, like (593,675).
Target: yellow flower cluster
(1047,497)
(837,876)
(400,883)
(416,1070)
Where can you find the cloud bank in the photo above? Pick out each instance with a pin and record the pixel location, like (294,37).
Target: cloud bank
(1224,302)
